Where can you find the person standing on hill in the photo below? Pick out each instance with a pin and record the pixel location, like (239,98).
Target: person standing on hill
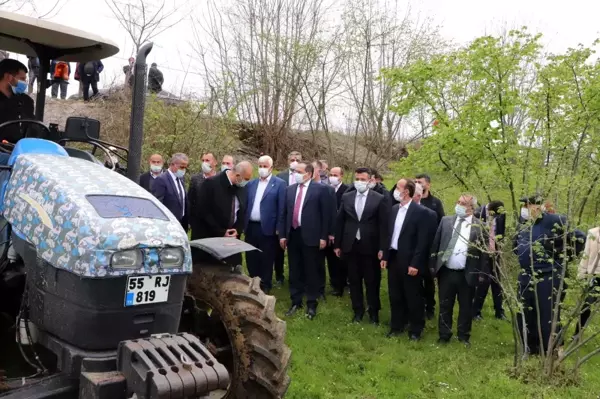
(155,79)
(89,72)
(60,72)
(338,271)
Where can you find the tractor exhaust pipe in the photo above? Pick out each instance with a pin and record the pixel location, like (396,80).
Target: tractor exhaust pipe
(138,103)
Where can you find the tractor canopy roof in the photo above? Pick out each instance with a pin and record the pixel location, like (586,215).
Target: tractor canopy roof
(36,37)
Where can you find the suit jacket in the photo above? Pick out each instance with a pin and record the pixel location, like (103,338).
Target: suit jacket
(314,220)
(432,225)
(285,176)
(214,203)
(193,198)
(339,194)
(165,191)
(271,204)
(372,224)
(147,181)
(332,211)
(477,260)
(412,241)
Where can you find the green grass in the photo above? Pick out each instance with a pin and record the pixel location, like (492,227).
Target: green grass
(332,358)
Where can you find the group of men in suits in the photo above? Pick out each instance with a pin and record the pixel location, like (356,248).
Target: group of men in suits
(359,230)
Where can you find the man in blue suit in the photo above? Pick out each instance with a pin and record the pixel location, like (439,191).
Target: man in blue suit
(266,199)
(169,189)
(304,231)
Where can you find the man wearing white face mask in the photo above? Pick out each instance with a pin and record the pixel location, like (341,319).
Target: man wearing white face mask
(156,167)
(360,236)
(169,188)
(304,231)
(227,163)
(208,170)
(288,177)
(459,257)
(266,199)
(338,273)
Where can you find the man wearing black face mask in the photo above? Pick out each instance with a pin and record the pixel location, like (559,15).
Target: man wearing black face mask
(14,102)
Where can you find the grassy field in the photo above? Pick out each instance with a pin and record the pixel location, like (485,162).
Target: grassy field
(333,358)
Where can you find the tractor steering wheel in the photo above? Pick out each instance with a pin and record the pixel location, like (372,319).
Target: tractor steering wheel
(6,147)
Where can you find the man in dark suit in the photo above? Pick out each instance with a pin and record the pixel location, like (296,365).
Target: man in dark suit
(331,213)
(405,258)
(266,199)
(304,231)
(493,215)
(169,189)
(458,261)
(338,271)
(156,168)
(428,279)
(209,164)
(288,177)
(428,200)
(223,203)
(360,237)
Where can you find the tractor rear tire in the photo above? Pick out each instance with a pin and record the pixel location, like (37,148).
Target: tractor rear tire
(259,355)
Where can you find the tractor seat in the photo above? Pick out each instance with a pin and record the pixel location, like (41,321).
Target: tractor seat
(77,153)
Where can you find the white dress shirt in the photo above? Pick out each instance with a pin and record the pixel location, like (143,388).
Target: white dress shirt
(301,201)
(260,191)
(291,177)
(180,189)
(358,213)
(398,225)
(458,259)
(237,202)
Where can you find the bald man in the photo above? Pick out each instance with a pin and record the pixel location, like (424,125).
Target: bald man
(156,168)
(223,202)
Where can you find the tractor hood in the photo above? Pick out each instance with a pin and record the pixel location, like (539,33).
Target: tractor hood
(30,36)
(78,214)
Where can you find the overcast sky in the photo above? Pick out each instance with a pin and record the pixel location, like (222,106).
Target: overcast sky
(563,23)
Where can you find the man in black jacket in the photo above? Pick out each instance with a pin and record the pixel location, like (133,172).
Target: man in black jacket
(428,200)
(493,215)
(405,256)
(459,259)
(338,271)
(156,168)
(155,79)
(223,202)
(360,237)
(14,102)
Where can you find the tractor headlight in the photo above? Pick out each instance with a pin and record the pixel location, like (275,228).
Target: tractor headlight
(171,258)
(129,259)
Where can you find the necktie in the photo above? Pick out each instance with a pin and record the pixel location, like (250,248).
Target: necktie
(360,206)
(297,205)
(180,192)
(453,240)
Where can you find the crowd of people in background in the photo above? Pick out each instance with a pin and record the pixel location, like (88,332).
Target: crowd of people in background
(357,232)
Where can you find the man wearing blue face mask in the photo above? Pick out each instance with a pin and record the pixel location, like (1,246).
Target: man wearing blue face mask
(14,102)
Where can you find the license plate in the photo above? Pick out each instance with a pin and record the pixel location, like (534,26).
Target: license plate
(141,290)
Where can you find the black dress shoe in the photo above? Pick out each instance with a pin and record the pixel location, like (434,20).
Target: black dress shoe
(465,342)
(311,313)
(357,317)
(394,333)
(477,317)
(443,340)
(374,318)
(292,311)
(414,337)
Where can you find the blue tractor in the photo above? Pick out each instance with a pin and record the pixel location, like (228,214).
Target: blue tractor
(99,297)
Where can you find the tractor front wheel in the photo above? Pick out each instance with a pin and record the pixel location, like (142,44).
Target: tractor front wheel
(236,321)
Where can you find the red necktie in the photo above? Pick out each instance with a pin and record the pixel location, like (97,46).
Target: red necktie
(297,205)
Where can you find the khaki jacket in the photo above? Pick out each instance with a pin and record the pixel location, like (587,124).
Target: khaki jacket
(590,263)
